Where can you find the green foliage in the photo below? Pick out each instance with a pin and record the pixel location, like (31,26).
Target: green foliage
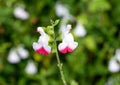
(99,5)
(86,65)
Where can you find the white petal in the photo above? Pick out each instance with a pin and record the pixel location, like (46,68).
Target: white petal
(62,28)
(20,13)
(36,46)
(40,29)
(80,31)
(67,29)
(43,39)
(69,26)
(22,52)
(47,48)
(13,57)
(68,38)
(61,10)
(31,68)
(73,45)
(113,65)
(62,46)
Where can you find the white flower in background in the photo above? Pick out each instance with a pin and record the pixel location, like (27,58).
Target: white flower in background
(31,68)
(23,53)
(79,30)
(16,54)
(68,44)
(20,13)
(62,11)
(113,65)
(13,57)
(42,46)
(113,80)
(62,26)
(117,54)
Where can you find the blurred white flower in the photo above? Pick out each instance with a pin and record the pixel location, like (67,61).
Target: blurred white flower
(62,11)
(113,65)
(117,54)
(113,80)
(20,13)
(31,68)
(16,54)
(13,57)
(79,30)
(22,52)
(62,26)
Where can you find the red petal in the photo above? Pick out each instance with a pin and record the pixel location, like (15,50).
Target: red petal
(69,49)
(42,51)
(65,50)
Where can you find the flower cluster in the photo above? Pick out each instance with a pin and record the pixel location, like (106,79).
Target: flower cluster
(17,53)
(67,45)
(63,12)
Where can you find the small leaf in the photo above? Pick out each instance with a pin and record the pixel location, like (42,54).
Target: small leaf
(49,27)
(90,43)
(73,82)
(56,22)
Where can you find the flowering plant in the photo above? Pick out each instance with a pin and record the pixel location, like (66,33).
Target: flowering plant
(68,44)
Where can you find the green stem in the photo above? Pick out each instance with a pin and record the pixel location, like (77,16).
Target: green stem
(58,60)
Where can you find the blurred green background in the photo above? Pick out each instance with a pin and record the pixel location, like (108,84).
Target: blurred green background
(87,65)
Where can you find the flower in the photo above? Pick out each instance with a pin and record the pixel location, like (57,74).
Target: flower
(113,65)
(23,53)
(20,13)
(17,53)
(31,68)
(79,30)
(13,57)
(42,46)
(68,44)
(62,11)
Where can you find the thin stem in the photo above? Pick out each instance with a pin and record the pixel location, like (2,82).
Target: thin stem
(58,60)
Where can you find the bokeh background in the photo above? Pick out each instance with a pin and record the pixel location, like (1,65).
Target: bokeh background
(95,26)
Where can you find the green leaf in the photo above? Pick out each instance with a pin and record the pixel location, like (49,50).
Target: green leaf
(99,5)
(90,43)
(73,82)
(56,22)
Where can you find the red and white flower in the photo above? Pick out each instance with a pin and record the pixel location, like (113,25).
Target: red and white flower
(42,46)
(68,44)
